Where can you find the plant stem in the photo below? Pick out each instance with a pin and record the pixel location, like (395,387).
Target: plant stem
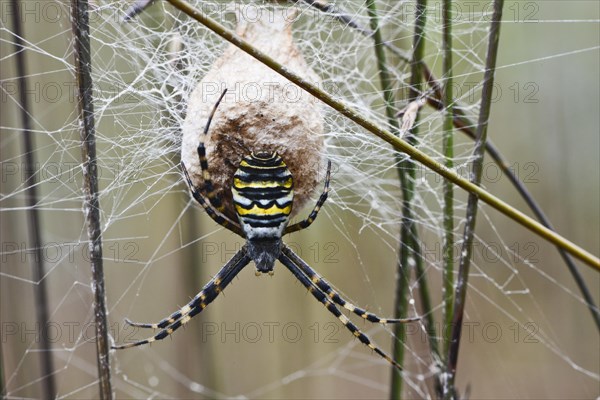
(400,310)
(469,230)
(409,240)
(387,136)
(83,64)
(405,249)
(402,270)
(385,78)
(403,263)
(33,216)
(448,149)
(415,90)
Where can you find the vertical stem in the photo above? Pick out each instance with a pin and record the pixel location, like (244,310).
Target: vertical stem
(448,249)
(384,73)
(33,217)
(401,301)
(415,91)
(400,310)
(83,64)
(409,242)
(468,234)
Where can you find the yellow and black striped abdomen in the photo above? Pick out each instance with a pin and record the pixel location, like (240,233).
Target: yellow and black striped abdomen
(263,194)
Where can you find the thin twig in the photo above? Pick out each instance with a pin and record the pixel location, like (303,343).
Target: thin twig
(448,149)
(469,230)
(83,64)
(33,216)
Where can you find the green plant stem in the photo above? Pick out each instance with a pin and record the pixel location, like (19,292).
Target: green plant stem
(387,136)
(472,203)
(403,269)
(415,90)
(409,238)
(401,302)
(448,149)
(400,308)
(83,65)
(385,78)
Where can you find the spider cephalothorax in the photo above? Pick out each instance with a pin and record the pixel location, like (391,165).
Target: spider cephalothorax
(263,194)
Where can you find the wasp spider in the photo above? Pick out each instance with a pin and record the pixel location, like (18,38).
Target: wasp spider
(263,196)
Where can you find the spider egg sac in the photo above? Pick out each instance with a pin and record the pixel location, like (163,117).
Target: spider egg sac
(261,112)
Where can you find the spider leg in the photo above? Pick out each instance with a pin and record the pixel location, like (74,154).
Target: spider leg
(313,215)
(208,188)
(214,214)
(136,8)
(210,292)
(326,288)
(205,195)
(323,299)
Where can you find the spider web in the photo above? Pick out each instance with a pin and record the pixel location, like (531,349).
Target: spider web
(528,332)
